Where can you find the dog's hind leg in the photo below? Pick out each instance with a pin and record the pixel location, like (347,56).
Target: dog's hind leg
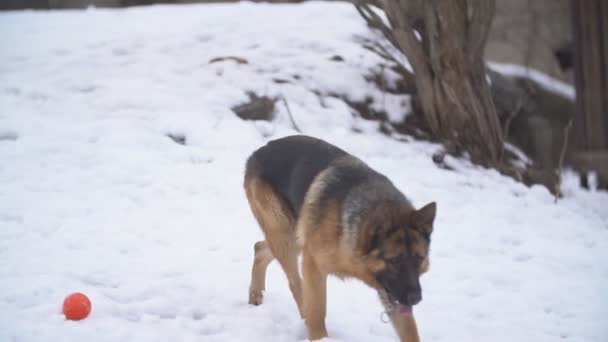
(263,256)
(277,223)
(285,250)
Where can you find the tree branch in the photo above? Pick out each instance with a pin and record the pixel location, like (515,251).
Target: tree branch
(374,20)
(403,30)
(408,77)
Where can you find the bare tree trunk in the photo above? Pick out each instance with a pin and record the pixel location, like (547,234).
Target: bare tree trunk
(447,59)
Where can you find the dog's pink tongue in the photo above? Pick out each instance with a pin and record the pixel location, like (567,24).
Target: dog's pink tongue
(404,309)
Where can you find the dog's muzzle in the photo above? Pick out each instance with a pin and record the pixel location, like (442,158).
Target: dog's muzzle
(391,305)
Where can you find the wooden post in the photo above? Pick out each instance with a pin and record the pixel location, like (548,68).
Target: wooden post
(591,77)
(591,73)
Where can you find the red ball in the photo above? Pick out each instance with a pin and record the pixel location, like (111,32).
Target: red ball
(76,306)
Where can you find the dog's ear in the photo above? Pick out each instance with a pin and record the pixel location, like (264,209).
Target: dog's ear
(424,218)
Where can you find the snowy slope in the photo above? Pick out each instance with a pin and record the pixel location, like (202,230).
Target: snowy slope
(94,197)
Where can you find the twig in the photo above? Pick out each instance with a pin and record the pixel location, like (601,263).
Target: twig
(520,104)
(374,20)
(383,88)
(384,53)
(560,165)
(408,77)
(238,60)
(293,122)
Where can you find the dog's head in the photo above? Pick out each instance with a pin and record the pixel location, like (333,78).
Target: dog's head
(396,244)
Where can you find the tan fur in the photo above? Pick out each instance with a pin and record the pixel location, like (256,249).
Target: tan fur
(323,250)
(405,325)
(277,223)
(263,257)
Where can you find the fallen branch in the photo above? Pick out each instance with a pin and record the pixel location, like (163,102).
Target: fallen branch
(293,122)
(238,60)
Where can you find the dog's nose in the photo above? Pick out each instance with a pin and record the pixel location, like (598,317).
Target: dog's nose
(414,298)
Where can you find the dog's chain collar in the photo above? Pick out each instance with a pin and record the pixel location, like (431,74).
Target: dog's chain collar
(385,299)
(385,317)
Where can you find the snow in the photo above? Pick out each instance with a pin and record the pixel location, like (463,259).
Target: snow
(549,83)
(94,196)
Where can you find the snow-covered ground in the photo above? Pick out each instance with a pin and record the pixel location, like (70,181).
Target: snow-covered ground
(94,197)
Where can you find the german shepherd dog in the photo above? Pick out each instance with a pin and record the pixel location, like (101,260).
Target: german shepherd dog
(346,219)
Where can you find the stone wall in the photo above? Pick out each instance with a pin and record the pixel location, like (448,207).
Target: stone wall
(528,32)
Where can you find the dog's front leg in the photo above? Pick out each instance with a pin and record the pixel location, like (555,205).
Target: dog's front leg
(405,324)
(403,320)
(315,289)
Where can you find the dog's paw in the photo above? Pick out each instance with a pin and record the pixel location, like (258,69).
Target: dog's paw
(255,297)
